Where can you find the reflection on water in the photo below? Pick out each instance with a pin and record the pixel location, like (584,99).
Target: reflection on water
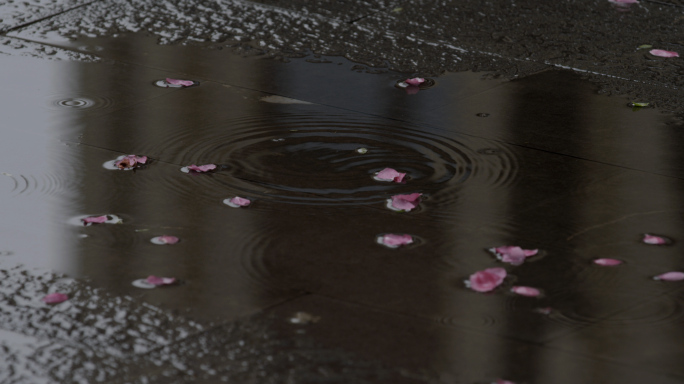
(315,211)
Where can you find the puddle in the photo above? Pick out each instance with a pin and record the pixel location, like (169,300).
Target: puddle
(546,175)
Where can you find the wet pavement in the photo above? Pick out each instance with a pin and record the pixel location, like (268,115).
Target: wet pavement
(517,142)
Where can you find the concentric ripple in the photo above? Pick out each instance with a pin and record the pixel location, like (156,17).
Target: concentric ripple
(315,159)
(265,264)
(658,310)
(79,102)
(22,185)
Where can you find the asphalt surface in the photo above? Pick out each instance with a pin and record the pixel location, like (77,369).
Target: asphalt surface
(528,137)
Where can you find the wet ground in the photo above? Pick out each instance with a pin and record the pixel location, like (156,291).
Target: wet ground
(516,142)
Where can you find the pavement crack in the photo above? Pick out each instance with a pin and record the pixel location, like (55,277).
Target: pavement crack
(20,26)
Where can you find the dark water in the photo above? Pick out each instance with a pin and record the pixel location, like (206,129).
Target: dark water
(553,166)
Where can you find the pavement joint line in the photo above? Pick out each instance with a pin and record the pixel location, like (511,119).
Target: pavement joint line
(621,218)
(20,26)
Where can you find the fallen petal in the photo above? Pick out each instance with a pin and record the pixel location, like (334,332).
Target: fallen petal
(142,283)
(502,381)
(237,202)
(608,262)
(164,239)
(394,241)
(201,168)
(155,280)
(127,162)
(55,298)
(624,1)
(404,202)
(94,219)
(654,240)
(670,276)
(525,291)
(486,280)
(415,81)
(185,83)
(513,254)
(663,53)
(389,174)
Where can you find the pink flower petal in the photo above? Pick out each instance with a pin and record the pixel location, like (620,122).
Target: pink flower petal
(415,81)
(94,219)
(654,240)
(130,161)
(55,298)
(165,239)
(389,174)
(663,53)
(670,276)
(202,168)
(185,83)
(486,280)
(608,262)
(405,202)
(513,254)
(393,240)
(160,280)
(237,200)
(525,291)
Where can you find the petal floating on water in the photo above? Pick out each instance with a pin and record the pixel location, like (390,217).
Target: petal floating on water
(55,298)
(389,174)
(404,202)
(201,168)
(525,291)
(185,83)
(237,202)
(142,283)
(513,254)
(94,219)
(164,239)
(130,161)
(654,240)
(486,280)
(415,81)
(670,276)
(394,241)
(608,262)
(156,280)
(663,53)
